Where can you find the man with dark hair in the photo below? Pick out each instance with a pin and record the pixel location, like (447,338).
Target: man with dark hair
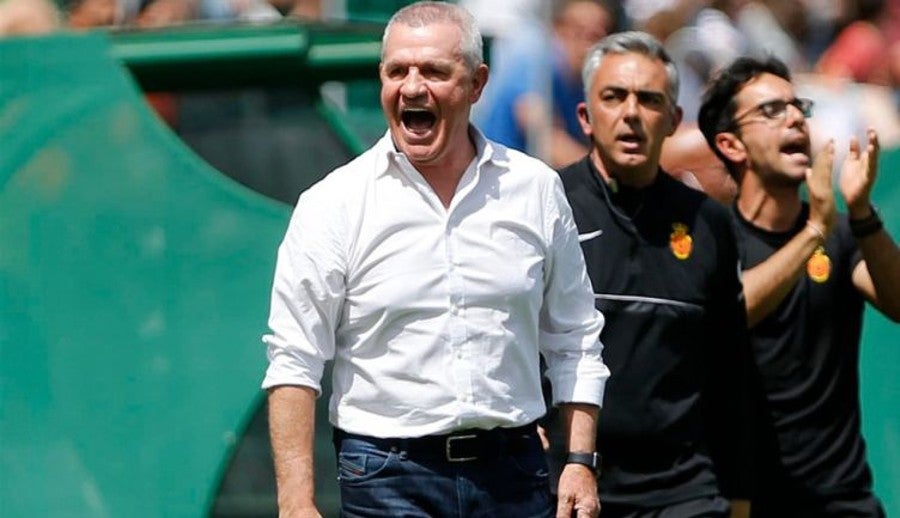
(663,262)
(434,269)
(808,272)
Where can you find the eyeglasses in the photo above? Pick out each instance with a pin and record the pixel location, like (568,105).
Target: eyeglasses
(776,110)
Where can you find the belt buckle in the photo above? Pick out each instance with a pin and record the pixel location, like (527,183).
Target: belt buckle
(448,448)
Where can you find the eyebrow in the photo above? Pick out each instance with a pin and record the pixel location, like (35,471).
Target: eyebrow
(638,91)
(643,94)
(419,63)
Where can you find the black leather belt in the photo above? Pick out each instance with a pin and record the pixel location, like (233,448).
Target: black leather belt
(460,446)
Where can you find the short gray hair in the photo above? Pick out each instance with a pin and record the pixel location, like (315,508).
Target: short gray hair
(623,43)
(422,14)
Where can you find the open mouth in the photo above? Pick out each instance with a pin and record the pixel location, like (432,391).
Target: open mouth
(630,140)
(417,119)
(796,147)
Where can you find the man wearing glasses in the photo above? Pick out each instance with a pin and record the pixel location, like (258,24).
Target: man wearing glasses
(808,272)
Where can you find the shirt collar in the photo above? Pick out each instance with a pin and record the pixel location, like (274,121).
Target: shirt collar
(485,151)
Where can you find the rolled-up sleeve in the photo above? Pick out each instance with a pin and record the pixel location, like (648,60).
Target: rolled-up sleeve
(570,324)
(307,298)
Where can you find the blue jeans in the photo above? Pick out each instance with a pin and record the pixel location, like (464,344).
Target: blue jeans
(377,480)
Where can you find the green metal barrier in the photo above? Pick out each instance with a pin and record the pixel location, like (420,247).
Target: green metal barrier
(284,54)
(133,291)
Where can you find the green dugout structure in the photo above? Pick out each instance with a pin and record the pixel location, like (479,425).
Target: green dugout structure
(134,276)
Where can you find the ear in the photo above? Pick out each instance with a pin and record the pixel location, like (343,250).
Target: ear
(731,147)
(677,115)
(479,79)
(584,119)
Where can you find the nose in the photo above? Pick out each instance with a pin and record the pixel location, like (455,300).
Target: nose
(630,106)
(413,85)
(794,115)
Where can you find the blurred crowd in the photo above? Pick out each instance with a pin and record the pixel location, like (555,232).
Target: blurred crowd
(845,54)
(855,39)
(41,16)
(837,49)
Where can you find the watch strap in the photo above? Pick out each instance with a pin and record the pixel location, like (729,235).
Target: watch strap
(591,460)
(867,226)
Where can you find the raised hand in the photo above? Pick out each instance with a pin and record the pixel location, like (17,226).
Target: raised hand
(822,212)
(858,175)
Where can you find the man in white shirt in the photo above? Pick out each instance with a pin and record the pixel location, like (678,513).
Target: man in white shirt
(433,269)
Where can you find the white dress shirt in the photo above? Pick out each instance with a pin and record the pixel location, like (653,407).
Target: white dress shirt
(434,316)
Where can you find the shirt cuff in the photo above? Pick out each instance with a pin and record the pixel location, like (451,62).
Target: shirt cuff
(286,367)
(584,382)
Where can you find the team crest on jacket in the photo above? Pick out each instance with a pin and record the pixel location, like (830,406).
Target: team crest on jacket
(680,241)
(819,266)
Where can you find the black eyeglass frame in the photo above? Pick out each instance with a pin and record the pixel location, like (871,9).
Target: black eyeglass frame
(776,109)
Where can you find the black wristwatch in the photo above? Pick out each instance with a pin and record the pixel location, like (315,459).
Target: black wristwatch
(867,226)
(591,460)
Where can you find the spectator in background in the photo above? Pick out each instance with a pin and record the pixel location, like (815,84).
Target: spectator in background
(516,110)
(860,52)
(778,28)
(21,17)
(707,41)
(808,273)
(309,9)
(661,18)
(675,433)
(161,13)
(89,14)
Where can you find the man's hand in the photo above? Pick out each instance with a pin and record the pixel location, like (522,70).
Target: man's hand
(822,212)
(858,175)
(577,493)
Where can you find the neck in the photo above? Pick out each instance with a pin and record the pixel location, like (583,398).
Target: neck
(772,208)
(443,176)
(637,179)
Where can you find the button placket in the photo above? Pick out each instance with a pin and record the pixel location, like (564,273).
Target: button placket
(456,325)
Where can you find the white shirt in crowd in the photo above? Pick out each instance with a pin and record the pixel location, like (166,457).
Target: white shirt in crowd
(434,316)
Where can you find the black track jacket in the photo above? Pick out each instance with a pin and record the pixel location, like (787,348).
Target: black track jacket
(676,420)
